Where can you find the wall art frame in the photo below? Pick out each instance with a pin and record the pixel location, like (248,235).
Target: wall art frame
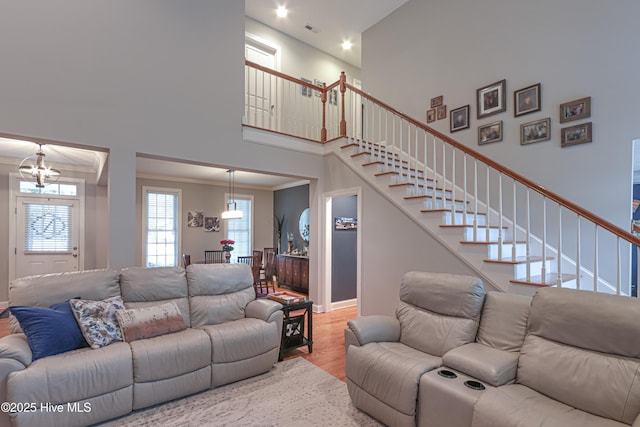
(575,110)
(437,101)
(492,99)
(574,135)
(491,132)
(459,118)
(535,131)
(431,115)
(527,100)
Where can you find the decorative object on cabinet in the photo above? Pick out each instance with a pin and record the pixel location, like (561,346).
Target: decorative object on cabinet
(575,110)
(526,100)
(492,99)
(536,131)
(574,135)
(490,133)
(459,119)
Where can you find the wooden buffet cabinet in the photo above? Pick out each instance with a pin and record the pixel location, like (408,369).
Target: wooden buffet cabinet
(293,272)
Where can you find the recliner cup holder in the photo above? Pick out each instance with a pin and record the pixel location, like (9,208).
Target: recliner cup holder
(474,385)
(447,374)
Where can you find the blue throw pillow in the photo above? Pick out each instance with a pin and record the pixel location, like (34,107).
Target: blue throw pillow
(51,330)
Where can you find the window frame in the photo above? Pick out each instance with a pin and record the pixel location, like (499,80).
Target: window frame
(251,200)
(178,220)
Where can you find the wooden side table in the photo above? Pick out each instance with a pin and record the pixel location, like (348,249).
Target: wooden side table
(293,327)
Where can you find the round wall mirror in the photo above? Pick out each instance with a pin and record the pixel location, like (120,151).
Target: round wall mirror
(304,225)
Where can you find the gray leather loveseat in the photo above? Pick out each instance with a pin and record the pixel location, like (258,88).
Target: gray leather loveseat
(229,336)
(564,358)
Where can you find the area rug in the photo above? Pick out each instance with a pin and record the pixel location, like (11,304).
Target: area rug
(293,393)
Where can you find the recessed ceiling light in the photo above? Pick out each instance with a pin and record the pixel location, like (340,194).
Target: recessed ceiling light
(346,45)
(282,12)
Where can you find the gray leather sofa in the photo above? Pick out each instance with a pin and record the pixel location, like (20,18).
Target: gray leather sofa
(230,336)
(563,358)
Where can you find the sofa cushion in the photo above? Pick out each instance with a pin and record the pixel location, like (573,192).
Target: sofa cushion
(602,384)
(97,320)
(504,321)
(241,339)
(143,287)
(515,404)
(149,322)
(218,279)
(218,309)
(170,355)
(50,330)
(48,289)
(73,376)
(390,372)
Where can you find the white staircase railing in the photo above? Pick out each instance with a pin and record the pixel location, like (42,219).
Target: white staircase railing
(550,240)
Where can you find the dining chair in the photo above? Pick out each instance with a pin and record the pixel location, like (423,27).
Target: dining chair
(186,260)
(259,255)
(214,257)
(269,272)
(254,262)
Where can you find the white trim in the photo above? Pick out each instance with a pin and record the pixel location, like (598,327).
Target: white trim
(325,294)
(14,193)
(265,45)
(252,234)
(163,190)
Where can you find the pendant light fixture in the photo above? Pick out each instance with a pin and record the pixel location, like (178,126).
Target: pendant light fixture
(37,171)
(232,211)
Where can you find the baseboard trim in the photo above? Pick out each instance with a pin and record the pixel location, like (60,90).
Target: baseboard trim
(344,304)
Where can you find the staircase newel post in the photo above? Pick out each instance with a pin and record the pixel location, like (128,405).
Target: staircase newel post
(323,132)
(343,89)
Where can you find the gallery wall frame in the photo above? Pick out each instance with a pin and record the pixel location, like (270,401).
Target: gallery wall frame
(492,99)
(575,110)
(459,118)
(431,115)
(526,100)
(437,101)
(535,131)
(574,135)
(489,133)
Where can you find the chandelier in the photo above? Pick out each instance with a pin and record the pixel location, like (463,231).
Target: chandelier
(37,171)
(232,211)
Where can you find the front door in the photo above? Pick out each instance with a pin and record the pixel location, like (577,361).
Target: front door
(47,236)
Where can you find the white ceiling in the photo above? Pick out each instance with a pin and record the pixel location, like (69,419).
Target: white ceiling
(336,20)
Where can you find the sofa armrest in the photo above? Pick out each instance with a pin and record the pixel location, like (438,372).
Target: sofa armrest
(262,309)
(490,365)
(373,328)
(636,423)
(16,347)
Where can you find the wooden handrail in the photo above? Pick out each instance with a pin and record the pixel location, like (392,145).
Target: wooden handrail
(343,86)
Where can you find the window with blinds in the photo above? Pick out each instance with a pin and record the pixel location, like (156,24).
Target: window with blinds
(239,230)
(162,222)
(47,228)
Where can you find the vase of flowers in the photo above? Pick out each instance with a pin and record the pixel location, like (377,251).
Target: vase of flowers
(227,248)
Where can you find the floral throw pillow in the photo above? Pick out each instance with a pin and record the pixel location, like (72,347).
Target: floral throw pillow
(97,320)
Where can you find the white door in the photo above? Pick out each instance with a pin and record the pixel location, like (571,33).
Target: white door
(47,236)
(260,88)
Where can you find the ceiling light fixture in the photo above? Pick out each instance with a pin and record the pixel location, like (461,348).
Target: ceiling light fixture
(346,45)
(37,171)
(231,213)
(282,12)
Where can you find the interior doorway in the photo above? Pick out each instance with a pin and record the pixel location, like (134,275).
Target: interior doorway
(261,90)
(342,249)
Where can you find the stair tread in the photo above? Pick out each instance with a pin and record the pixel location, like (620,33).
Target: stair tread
(488,242)
(517,260)
(471,226)
(551,279)
(412,184)
(449,210)
(424,196)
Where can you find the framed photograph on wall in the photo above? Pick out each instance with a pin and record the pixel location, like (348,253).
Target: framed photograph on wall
(211,223)
(437,101)
(459,119)
(306,91)
(526,100)
(344,223)
(441,112)
(492,99)
(536,131)
(195,219)
(319,84)
(431,115)
(333,97)
(575,110)
(490,133)
(574,135)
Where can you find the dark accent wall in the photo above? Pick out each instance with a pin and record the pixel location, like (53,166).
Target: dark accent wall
(344,251)
(290,202)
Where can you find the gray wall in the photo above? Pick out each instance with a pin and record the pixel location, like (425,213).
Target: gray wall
(574,48)
(344,247)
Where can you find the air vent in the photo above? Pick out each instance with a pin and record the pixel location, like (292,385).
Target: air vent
(314,30)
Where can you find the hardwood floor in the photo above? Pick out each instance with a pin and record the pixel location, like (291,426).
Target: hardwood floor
(328,340)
